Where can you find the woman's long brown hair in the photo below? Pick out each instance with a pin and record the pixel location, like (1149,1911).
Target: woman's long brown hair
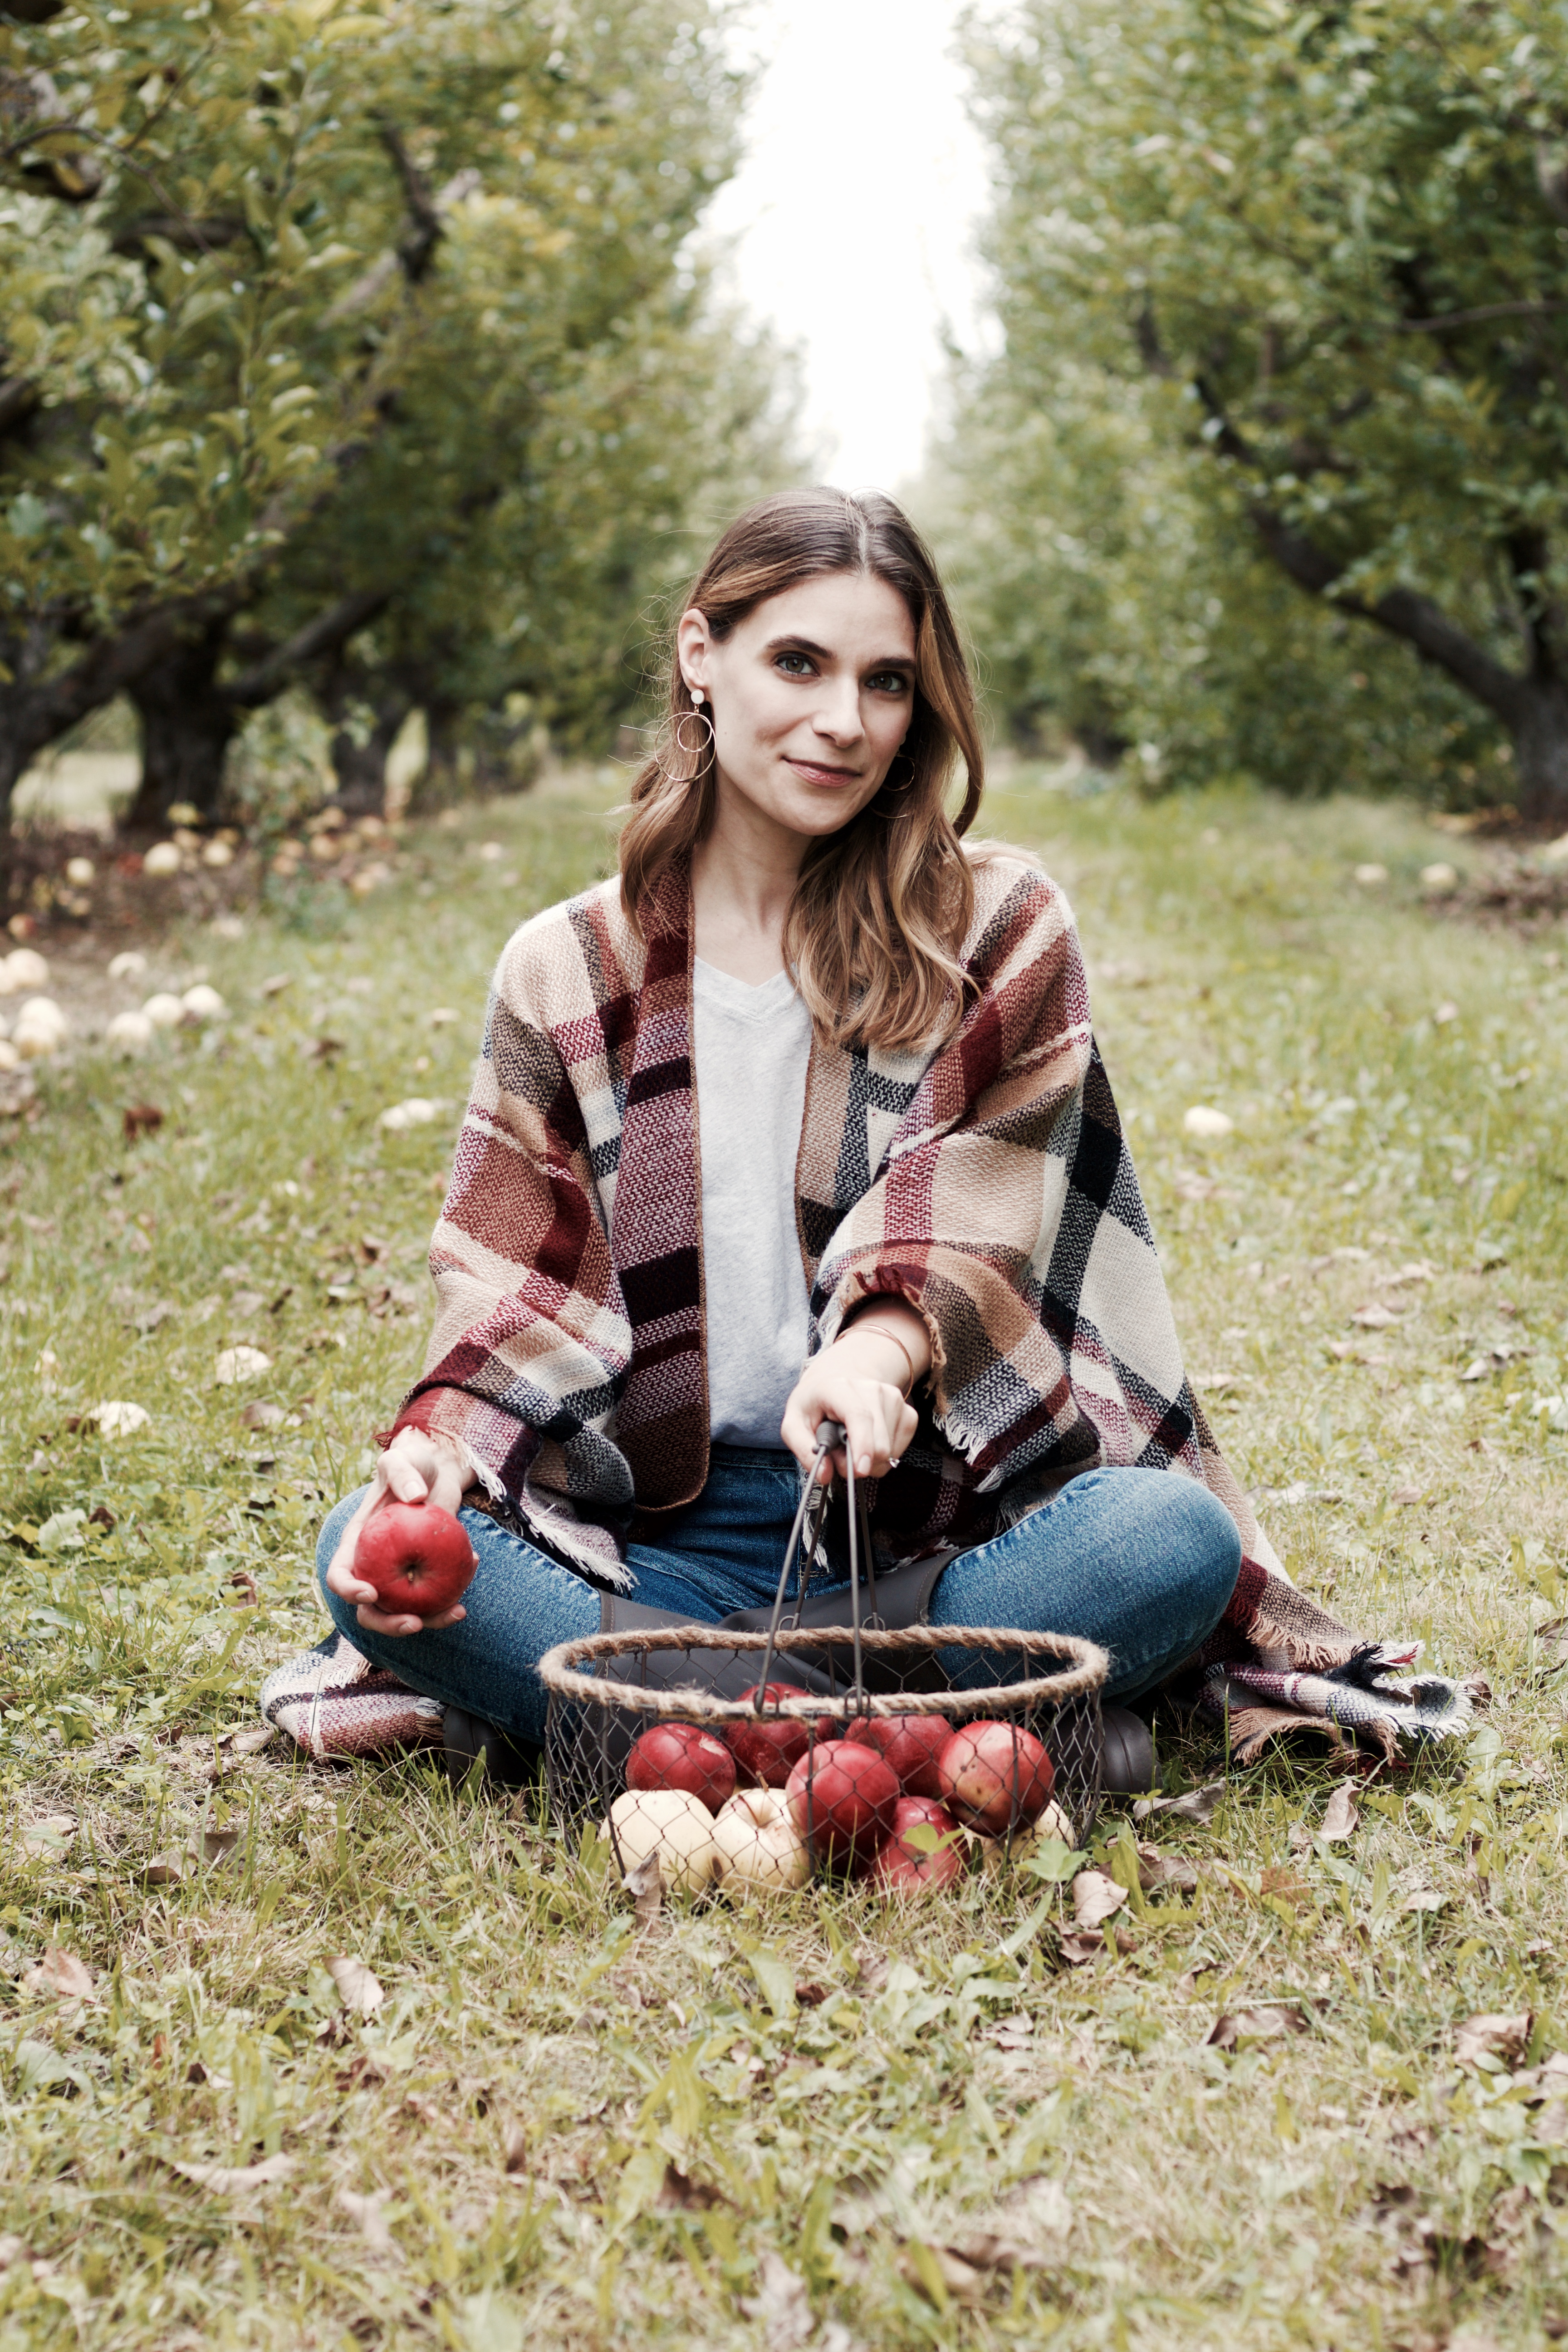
(881,907)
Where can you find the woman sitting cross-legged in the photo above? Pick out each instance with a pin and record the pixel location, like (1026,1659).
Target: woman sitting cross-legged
(801,1119)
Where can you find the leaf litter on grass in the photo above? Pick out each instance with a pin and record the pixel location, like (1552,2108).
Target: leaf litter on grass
(963,2071)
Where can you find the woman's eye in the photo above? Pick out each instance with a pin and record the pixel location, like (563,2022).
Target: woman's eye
(889,682)
(795,664)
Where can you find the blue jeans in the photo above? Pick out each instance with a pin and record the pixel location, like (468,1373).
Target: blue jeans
(1142,1561)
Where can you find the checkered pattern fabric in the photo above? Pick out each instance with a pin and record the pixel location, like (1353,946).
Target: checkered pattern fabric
(987,1183)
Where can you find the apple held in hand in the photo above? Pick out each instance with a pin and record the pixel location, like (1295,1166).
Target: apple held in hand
(767,1747)
(914,1866)
(759,1844)
(994,1776)
(672,1824)
(417,1557)
(679,1756)
(842,1798)
(910,1744)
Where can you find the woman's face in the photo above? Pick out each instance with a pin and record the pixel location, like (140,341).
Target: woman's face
(810,697)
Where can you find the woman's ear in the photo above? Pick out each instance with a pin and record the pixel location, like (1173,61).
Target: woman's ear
(693,645)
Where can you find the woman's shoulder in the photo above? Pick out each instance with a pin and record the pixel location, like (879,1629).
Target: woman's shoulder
(1013,890)
(563,961)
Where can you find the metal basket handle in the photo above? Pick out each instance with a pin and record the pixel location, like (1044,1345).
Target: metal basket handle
(801,1547)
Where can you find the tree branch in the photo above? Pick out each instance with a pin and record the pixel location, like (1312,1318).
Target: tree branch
(1403,612)
(110,664)
(1440,326)
(185,236)
(416,249)
(18,398)
(329,630)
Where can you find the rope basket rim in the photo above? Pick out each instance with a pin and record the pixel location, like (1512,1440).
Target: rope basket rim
(558,1671)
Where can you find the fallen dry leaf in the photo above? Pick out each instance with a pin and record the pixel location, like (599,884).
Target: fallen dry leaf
(962,2281)
(1408,1496)
(235,2179)
(1198,1805)
(1375,1316)
(1341,1818)
(1264,2023)
(1551,1646)
(1170,1870)
(515,2149)
(1095,1897)
(357,1988)
(1077,1951)
(369,2217)
(679,2193)
(50,1833)
(1036,2209)
(364,2066)
(61,1972)
(204,1849)
(783,2305)
(1488,2036)
(645,1885)
(248,1742)
(990,2250)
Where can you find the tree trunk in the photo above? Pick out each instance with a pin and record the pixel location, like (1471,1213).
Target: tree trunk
(188,722)
(361,768)
(14,759)
(449,773)
(1540,753)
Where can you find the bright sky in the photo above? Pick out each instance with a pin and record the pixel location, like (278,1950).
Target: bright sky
(854,211)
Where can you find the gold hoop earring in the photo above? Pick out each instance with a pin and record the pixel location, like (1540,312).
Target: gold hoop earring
(701,748)
(697,752)
(888,783)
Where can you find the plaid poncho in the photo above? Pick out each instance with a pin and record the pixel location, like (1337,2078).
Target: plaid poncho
(988,1184)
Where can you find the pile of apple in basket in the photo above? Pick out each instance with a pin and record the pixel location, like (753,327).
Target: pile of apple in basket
(861,1772)
(891,1798)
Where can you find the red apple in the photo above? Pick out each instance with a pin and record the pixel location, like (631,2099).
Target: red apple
(842,1798)
(910,1744)
(903,1868)
(416,1556)
(767,1747)
(993,1776)
(679,1756)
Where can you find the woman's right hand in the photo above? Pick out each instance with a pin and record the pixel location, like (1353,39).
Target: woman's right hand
(414,1469)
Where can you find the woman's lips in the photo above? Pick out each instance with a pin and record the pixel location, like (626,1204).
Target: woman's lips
(812,773)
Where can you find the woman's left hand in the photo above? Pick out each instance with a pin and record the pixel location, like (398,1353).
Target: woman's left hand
(856,1381)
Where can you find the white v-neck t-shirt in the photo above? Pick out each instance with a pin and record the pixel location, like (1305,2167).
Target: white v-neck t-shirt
(750,1050)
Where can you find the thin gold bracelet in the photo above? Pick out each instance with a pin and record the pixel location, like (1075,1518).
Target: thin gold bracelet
(886,1334)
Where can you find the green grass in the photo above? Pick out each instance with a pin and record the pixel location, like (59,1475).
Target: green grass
(576,2138)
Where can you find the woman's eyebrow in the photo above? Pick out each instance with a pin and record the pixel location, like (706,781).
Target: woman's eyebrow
(823,653)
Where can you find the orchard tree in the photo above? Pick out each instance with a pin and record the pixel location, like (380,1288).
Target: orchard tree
(286,295)
(528,556)
(1121,597)
(1328,247)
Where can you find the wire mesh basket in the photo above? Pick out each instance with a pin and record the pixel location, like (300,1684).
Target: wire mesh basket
(749,1759)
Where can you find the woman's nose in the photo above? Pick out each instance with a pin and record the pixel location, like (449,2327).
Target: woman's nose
(838,713)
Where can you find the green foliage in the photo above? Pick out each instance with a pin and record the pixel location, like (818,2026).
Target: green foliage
(1279,290)
(309,303)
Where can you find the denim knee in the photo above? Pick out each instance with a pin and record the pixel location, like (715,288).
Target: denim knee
(333,1528)
(1207,1559)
